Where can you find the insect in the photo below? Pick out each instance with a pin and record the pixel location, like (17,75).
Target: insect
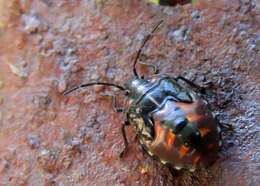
(171,121)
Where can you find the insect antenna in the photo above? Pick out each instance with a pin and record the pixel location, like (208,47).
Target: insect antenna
(93,84)
(142,46)
(134,67)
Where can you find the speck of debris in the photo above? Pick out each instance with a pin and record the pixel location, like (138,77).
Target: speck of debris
(19,69)
(32,24)
(179,34)
(68,61)
(195,14)
(41,101)
(34,141)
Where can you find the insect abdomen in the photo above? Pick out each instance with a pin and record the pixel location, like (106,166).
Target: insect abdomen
(184,138)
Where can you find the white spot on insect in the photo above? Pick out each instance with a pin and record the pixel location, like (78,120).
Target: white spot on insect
(177,167)
(140,88)
(150,153)
(218,129)
(163,162)
(135,83)
(153,80)
(139,123)
(197,133)
(220,143)
(192,169)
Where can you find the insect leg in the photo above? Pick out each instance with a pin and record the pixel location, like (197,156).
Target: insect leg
(224,126)
(155,68)
(202,90)
(126,123)
(114,104)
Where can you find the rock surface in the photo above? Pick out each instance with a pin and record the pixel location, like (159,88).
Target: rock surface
(49,46)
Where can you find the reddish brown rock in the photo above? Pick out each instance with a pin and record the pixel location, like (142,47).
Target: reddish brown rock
(64,43)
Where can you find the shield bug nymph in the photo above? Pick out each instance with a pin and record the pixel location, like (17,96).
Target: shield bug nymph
(171,121)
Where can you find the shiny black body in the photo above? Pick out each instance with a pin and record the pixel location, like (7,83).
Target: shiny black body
(147,101)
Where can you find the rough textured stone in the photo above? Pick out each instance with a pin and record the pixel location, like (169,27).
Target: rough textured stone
(65,43)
